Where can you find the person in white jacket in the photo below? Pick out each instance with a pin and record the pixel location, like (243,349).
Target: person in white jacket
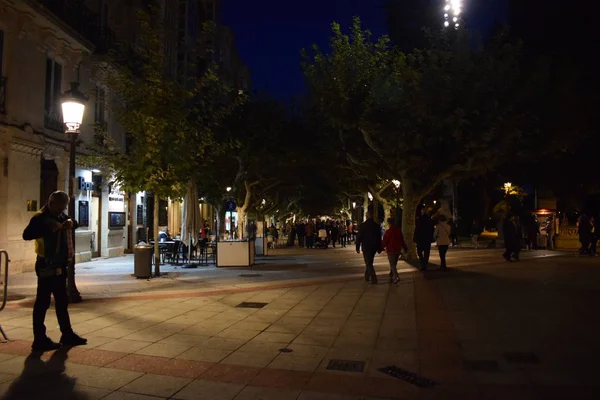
(442,238)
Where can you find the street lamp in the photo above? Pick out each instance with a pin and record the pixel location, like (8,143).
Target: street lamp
(228,189)
(507,187)
(73,106)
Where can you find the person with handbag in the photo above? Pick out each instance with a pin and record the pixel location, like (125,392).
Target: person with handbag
(442,238)
(52,231)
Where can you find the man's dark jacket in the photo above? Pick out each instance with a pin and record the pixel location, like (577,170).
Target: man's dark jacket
(424,230)
(40,230)
(369,236)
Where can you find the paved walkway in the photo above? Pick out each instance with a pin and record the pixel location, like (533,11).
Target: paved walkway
(485,330)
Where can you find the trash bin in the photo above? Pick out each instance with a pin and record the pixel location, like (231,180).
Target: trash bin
(142,260)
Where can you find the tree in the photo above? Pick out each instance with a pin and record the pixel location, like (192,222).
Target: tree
(423,116)
(170,120)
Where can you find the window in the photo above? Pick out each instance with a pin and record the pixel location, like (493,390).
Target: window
(53,114)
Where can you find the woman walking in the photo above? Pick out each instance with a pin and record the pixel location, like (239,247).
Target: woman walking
(393,243)
(442,238)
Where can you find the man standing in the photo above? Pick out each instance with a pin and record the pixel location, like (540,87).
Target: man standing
(52,229)
(423,237)
(369,237)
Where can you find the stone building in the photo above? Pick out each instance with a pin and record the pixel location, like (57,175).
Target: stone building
(43,47)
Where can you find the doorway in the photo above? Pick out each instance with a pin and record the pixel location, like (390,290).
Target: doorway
(96,227)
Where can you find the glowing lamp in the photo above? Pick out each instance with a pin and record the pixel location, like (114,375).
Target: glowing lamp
(73,106)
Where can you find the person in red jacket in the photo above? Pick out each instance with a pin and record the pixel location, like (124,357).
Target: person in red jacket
(393,243)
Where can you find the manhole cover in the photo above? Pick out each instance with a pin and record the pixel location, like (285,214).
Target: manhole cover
(285,350)
(346,365)
(250,275)
(14,297)
(481,365)
(251,305)
(408,376)
(521,358)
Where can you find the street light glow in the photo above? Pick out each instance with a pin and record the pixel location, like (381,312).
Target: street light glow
(396,183)
(452,10)
(228,188)
(370,196)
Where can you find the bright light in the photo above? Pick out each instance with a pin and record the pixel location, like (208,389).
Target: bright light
(264,202)
(228,188)
(370,196)
(353,204)
(396,183)
(96,171)
(452,10)
(72,115)
(507,187)
(435,202)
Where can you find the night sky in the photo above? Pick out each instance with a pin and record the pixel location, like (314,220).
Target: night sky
(271,33)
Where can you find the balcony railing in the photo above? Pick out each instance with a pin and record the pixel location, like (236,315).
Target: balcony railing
(83,20)
(2,95)
(53,120)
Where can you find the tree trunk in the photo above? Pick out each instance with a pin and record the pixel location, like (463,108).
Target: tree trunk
(220,224)
(365,206)
(241,221)
(155,229)
(411,201)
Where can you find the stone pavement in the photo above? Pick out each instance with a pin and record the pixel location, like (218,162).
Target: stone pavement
(482,331)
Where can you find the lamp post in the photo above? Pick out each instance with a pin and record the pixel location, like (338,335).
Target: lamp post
(73,106)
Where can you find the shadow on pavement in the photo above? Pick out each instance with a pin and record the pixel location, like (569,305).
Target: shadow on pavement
(44,379)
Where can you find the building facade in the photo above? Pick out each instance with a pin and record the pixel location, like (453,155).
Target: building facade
(43,47)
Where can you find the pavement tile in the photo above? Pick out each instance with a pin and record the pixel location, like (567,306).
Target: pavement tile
(234,333)
(223,343)
(276,337)
(264,393)
(312,339)
(249,359)
(286,328)
(162,366)
(95,357)
(209,390)
(263,347)
(156,385)
(15,348)
(124,345)
(156,332)
(204,354)
(310,395)
(282,379)
(502,392)
(108,378)
(115,333)
(253,326)
(179,338)
(291,361)
(308,350)
(231,373)
(96,341)
(333,383)
(168,350)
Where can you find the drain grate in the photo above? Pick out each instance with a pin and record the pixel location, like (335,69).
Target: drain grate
(521,358)
(251,305)
(250,275)
(346,365)
(408,376)
(481,365)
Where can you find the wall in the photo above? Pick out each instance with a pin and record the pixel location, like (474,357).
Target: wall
(113,239)
(83,235)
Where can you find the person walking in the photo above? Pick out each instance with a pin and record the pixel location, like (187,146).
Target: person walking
(442,238)
(310,234)
(393,243)
(343,233)
(301,232)
(550,233)
(369,238)
(52,231)
(423,237)
(512,238)
(475,232)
